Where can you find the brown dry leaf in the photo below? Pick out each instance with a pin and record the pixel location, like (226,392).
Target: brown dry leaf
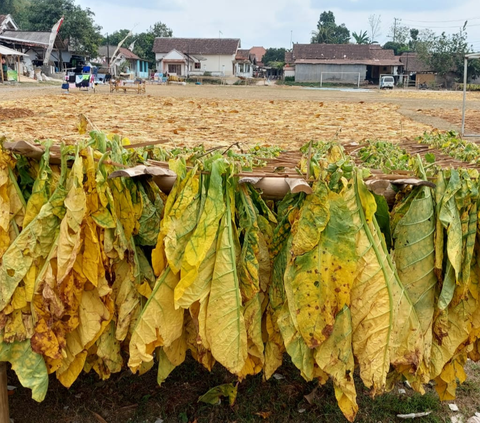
(98,417)
(287,123)
(264,414)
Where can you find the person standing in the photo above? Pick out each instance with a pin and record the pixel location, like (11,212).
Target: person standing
(4,69)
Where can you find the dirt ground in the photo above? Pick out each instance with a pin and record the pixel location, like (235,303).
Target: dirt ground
(188,115)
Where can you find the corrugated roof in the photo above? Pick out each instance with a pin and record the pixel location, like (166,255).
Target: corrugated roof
(222,46)
(413,63)
(5,51)
(40,38)
(344,53)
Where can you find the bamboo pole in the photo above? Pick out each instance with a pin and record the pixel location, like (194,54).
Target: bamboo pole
(1,67)
(4,411)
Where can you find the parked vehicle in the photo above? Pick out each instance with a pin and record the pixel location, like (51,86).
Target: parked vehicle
(387,82)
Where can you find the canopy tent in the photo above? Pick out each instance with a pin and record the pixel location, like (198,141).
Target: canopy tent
(471,56)
(5,51)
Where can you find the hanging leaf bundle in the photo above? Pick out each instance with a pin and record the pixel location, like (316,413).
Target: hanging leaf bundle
(98,273)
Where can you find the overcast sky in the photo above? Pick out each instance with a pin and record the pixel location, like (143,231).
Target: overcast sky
(274,23)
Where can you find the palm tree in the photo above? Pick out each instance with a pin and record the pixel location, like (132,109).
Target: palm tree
(361,37)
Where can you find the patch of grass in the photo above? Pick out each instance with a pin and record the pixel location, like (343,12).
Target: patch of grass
(138,399)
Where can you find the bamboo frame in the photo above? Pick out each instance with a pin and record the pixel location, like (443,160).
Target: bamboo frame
(4,410)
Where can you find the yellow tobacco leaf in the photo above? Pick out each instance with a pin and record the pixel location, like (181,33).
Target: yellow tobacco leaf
(385,326)
(180,222)
(29,366)
(318,283)
(200,287)
(109,353)
(335,358)
(41,188)
(70,239)
(312,220)
(14,328)
(253,322)
(126,297)
(159,323)
(205,232)
(225,324)
(366,198)
(274,346)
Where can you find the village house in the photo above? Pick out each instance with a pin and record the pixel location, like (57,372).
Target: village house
(345,63)
(244,63)
(7,23)
(125,61)
(415,71)
(196,56)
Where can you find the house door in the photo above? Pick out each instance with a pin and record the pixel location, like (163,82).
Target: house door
(176,69)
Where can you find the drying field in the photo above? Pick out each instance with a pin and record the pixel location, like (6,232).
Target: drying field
(193,115)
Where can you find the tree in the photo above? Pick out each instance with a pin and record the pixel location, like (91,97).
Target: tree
(374,22)
(398,48)
(328,32)
(115,37)
(274,55)
(445,55)
(144,41)
(16,8)
(361,37)
(399,33)
(78,26)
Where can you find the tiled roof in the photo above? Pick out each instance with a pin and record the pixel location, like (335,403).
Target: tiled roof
(344,53)
(221,46)
(259,52)
(102,51)
(413,63)
(289,57)
(243,55)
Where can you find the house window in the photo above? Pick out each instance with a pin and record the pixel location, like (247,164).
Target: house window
(177,69)
(198,65)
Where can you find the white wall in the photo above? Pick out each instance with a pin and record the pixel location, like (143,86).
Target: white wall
(240,70)
(211,63)
(218,63)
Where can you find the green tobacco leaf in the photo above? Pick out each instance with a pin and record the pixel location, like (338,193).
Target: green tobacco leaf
(225,324)
(205,231)
(430,158)
(214,395)
(29,366)
(383,219)
(449,216)
(415,258)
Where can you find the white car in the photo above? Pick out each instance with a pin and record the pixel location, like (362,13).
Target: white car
(387,82)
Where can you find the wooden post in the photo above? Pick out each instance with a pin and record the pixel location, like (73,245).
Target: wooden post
(1,68)
(4,412)
(18,71)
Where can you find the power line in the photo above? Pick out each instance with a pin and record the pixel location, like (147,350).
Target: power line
(454,20)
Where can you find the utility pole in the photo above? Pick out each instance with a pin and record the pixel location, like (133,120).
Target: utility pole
(395,29)
(291,38)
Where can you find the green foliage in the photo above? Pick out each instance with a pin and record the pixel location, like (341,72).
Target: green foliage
(329,32)
(361,37)
(78,27)
(274,55)
(398,48)
(384,155)
(16,8)
(450,143)
(143,41)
